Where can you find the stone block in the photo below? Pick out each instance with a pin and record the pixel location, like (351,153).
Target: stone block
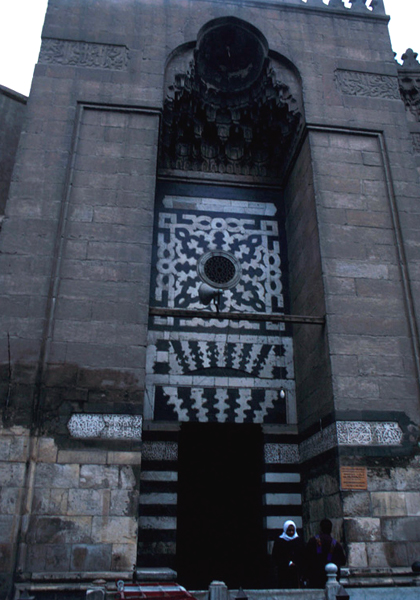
(82,457)
(127,478)
(124,458)
(356,504)
(412,501)
(362,529)
(10,500)
(6,557)
(406,479)
(12,474)
(124,557)
(106,530)
(99,476)
(7,529)
(57,557)
(47,450)
(388,504)
(87,501)
(58,501)
(357,555)
(57,476)
(398,529)
(60,530)
(36,557)
(41,501)
(124,503)
(88,557)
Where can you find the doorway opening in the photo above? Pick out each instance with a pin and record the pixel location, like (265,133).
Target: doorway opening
(220,522)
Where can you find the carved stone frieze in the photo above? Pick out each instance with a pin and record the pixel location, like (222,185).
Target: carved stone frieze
(83,54)
(355,83)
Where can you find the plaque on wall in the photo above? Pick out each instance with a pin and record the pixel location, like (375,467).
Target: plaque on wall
(353,478)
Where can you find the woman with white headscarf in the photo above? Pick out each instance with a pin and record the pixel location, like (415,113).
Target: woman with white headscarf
(287,557)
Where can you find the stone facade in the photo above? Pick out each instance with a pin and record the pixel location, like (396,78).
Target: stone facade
(12,112)
(212,229)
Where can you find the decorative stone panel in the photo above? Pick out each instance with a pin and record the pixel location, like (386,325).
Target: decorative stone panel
(362,433)
(355,83)
(83,54)
(110,427)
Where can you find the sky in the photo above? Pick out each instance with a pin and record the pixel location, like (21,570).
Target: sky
(21,25)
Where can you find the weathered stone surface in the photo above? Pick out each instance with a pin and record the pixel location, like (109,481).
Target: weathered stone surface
(60,530)
(362,529)
(357,554)
(57,476)
(99,476)
(123,556)
(395,530)
(88,557)
(106,530)
(388,504)
(356,504)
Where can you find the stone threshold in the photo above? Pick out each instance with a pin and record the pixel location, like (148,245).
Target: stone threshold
(379,577)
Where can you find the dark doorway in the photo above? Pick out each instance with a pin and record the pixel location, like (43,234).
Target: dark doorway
(220,525)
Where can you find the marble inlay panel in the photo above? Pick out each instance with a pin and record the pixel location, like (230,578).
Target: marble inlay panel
(110,427)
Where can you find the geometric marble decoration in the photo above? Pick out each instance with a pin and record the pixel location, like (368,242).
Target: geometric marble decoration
(215,370)
(109,427)
(185,237)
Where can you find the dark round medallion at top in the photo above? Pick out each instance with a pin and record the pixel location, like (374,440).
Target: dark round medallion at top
(219,269)
(230,54)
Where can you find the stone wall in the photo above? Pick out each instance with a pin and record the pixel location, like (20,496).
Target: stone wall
(12,113)
(66,510)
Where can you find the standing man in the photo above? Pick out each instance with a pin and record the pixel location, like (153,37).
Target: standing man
(321,550)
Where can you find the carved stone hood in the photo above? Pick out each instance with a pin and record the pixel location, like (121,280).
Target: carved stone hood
(228,113)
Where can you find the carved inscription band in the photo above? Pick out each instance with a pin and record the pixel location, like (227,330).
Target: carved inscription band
(355,83)
(83,54)
(342,433)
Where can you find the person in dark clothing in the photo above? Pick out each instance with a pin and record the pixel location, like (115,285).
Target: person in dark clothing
(287,557)
(321,550)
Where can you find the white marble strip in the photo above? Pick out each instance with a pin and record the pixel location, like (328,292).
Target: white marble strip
(277,522)
(108,426)
(220,206)
(158,498)
(281,477)
(283,499)
(159,476)
(223,338)
(157,522)
(232,382)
